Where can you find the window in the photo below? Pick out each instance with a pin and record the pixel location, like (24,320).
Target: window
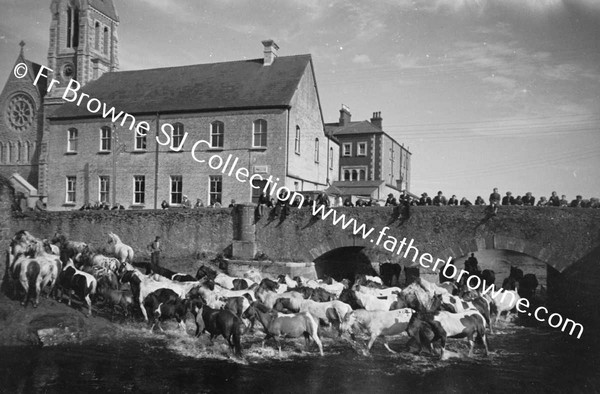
(297,141)
(316,150)
(217,131)
(177,135)
(216,189)
(97,36)
(103,188)
(361,175)
(259,133)
(1,153)
(106,44)
(139,189)
(331,158)
(347,149)
(346,175)
(362,149)
(176,189)
(358,173)
(69,26)
(354,175)
(140,141)
(105,139)
(70,197)
(72,140)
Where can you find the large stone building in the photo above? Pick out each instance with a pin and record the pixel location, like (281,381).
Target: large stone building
(372,163)
(265,113)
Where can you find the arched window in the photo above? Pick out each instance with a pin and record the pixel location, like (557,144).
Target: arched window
(1,153)
(354,175)
(31,151)
(19,152)
(97,36)
(316,150)
(361,175)
(297,140)
(331,158)
(105,139)
(346,175)
(217,132)
(259,133)
(26,151)
(72,137)
(177,135)
(106,42)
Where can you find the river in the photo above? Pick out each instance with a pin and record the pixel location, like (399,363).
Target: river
(522,359)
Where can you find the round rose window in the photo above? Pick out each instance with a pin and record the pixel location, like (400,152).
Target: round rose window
(20,112)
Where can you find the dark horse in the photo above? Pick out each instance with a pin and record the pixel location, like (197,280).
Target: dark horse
(219,322)
(512,282)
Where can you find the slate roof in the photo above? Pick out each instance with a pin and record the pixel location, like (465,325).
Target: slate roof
(360,127)
(106,7)
(242,84)
(357,188)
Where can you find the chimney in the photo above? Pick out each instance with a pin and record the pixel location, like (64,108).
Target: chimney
(345,115)
(376,120)
(270,52)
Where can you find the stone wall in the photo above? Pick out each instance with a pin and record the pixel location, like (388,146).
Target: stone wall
(6,198)
(185,233)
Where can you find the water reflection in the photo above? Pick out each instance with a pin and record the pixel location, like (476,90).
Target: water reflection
(522,359)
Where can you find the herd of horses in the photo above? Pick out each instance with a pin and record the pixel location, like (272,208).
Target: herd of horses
(226,306)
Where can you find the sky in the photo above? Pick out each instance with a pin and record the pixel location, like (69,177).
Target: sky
(484,93)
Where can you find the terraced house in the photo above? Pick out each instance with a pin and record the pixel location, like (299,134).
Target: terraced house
(264,112)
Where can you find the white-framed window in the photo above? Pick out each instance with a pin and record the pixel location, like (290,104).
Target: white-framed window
(217,134)
(105,139)
(297,141)
(106,42)
(347,149)
(176,189)
(259,133)
(362,149)
(358,173)
(97,36)
(141,141)
(216,189)
(316,150)
(103,188)
(72,135)
(177,135)
(331,158)
(71,190)
(139,189)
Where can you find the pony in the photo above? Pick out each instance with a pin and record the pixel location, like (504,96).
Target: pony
(68,249)
(219,322)
(325,312)
(123,252)
(290,326)
(527,286)
(513,279)
(377,324)
(35,269)
(79,282)
(20,244)
(503,304)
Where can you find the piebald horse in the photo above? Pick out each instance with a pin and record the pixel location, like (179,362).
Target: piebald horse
(123,252)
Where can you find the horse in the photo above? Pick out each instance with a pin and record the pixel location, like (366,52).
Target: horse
(527,286)
(389,272)
(290,326)
(513,279)
(123,252)
(166,304)
(35,269)
(377,292)
(377,324)
(325,312)
(68,249)
(445,324)
(373,303)
(488,277)
(76,281)
(502,304)
(268,298)
(20,244)
(142,286)
(219,322)
(455,304)
(205,271)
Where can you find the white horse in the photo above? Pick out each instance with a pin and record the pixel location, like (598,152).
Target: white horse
(123,252)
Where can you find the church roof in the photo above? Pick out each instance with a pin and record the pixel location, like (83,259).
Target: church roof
(106,7)
(203,87)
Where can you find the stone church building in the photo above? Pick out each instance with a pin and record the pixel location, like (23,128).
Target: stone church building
(265,113)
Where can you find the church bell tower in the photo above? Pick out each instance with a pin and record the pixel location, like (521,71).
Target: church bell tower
(83,41)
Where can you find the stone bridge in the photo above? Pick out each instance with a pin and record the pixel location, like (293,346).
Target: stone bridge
(566,240)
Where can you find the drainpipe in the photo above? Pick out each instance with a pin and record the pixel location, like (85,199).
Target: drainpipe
(156,163)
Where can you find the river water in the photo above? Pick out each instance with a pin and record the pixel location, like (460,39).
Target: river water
(522,359)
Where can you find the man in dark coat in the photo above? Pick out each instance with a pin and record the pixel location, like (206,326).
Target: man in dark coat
(528,200)
(508,199)
(391,201)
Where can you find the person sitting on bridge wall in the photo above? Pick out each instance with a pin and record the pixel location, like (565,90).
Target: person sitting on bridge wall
(528,200)
(465,202)
(391,201)
(508,199)
(554,201)
(439,200)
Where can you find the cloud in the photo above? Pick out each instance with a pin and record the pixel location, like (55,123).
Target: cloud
(361,59)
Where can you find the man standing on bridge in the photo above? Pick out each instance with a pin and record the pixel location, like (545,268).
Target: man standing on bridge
(495,200)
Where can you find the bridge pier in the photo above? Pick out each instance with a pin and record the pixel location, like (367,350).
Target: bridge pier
(244,238)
